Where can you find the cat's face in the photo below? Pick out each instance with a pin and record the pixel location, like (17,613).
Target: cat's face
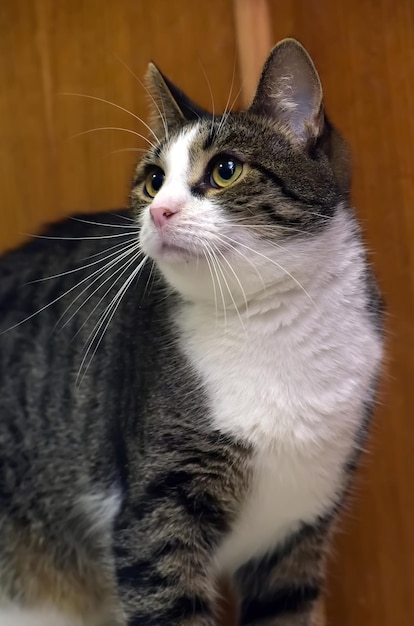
(228,205)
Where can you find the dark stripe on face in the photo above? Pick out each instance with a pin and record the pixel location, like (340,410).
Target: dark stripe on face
(287,600)
(289,193)
(280,218)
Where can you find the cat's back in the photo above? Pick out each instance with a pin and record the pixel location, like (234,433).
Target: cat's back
(65,352)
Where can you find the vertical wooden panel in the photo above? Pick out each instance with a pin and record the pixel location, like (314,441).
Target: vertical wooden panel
(48,48)
(364,51)
(254,40)
(25,164)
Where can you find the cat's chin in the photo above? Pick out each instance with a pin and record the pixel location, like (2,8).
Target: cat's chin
(160,249)
(170,252)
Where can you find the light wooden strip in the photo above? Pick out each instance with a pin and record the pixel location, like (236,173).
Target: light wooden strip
(254,40)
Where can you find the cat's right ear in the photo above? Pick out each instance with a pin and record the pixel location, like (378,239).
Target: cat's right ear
(290,92)
(169,105)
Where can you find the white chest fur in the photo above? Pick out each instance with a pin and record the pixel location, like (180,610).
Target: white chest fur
(293,387)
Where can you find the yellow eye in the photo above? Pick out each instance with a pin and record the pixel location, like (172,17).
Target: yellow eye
(154,182)
(226,170)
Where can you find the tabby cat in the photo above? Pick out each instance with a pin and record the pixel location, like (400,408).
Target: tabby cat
(186,386)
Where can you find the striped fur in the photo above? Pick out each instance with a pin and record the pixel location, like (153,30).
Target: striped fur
(128,480)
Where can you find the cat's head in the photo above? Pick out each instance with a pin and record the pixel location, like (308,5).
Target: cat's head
(227,202)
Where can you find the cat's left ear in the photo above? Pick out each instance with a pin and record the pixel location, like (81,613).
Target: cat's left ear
(169,105)
(290,92)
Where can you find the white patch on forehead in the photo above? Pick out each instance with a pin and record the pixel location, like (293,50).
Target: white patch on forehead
(176,162)
(177,157)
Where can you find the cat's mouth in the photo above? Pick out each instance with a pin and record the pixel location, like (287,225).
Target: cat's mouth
(170,248)
(181,244)
(167,249)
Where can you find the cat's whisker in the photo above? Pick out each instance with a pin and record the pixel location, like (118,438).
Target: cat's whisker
(117,274)
(76,269)
(77,238)
(43,308)
(128,150)
(106,250)
(239,223)
(214,265)
(325,217)
(206,256)
(108,267)
(228,98)
(236,96)
(95,330)
(162,116)
(243,293)
(79,219)
(118,106)
(148,284)
(226,116)
(220,269)
(108,315)
(124,217)
(125,130)
(274,244)
(211,97)
(272,229)
(285,271)
(239,252)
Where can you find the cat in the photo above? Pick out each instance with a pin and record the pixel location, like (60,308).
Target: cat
(186,385)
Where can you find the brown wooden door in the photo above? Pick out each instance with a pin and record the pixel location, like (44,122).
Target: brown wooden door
(364,50)
(99,48)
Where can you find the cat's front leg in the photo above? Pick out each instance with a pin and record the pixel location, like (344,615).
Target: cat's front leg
(285,589)
(165,581)
(169,534)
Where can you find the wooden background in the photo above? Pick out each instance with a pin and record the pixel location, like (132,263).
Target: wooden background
(364,50)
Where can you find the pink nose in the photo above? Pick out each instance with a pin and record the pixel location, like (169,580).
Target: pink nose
(161,214)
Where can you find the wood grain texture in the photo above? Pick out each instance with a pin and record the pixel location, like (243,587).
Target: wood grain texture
(254,40)
(49,48)
(364,50)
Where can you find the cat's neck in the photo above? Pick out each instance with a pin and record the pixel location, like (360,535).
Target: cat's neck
(325,268)
(300,356)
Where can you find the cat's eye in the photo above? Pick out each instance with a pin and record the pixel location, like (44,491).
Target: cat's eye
(225,171)
(154,181)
